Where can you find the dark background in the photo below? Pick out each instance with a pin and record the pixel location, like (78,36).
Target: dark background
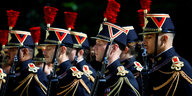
(90,15)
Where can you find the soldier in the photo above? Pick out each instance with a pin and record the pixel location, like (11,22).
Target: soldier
(38,56)
(110,42)
(71,80)
(128,56)
(79,53)
(170,74)
(80,47)
(30,79)
(4,67)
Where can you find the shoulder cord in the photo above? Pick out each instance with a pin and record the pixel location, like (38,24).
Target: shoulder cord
(29,79)
(72,85)
(118,85)
(175,76)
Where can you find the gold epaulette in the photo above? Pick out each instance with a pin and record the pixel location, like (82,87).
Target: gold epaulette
(33,69)
(75,83)
(177,64)
(138,66)
(116,88)
(88,73)
(2,77)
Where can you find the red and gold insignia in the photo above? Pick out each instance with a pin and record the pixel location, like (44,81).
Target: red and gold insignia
(113,34)
(177,64)
(60,33)
(2,74)
(32,68)
(2,77)
(138,66)
(128,28)
(60,36)
(79,39)
(88,73)
(20,38)
(158,19)
(157,22)
(122,71)
(76,72)
(86,70)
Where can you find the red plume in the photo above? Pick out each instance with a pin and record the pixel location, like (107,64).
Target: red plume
(145,4)
(145,8)
(4,37)
(35,33)
(12,17)
(141,17)
(50,13)
(111,11)
(70,18)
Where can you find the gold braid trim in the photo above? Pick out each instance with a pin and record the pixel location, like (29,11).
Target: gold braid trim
(173,78)
(73,84)
(176,77)
(167,82)
(68,84)
(166,72)
(2,81)
(135,90)
(85,86)
(118,85)
(91,78)
(43,88)
(186,77)
(29,79)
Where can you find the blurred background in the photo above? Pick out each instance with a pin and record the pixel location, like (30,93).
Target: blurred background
(90,15)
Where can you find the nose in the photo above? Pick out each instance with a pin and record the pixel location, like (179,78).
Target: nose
(144,41)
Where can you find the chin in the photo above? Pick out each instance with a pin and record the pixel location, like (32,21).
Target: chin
(98,59)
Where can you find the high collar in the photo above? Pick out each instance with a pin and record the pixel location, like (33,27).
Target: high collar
(165,55)
(80,60)
(128,61)
(81,63)
(24,64)
(65,65)
(113,66)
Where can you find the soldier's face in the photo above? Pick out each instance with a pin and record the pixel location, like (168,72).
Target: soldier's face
(49,53)
(99,49)
(12,52)
(149,43)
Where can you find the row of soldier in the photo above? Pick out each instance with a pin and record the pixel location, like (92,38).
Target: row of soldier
(58,66)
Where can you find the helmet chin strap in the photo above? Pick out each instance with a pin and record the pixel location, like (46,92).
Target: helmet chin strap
(156,43)
(106,53)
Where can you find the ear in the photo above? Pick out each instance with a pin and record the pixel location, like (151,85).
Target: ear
(114,47)
(164,38)
(126,50)
(81,52)
(63,49)
(25,51)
